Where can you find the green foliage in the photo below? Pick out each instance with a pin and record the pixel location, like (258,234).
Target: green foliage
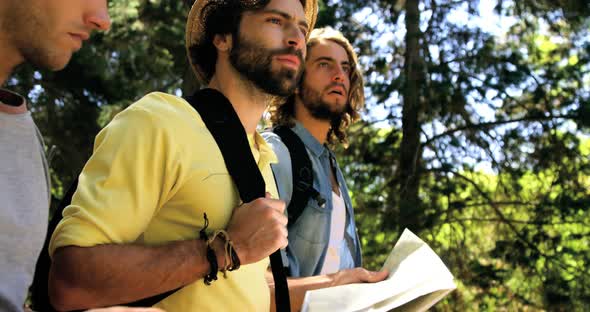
(503,163)
(502,170)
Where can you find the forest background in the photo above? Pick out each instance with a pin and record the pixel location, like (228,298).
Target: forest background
(476,134)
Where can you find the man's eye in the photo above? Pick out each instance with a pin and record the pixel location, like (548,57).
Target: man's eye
(346,70)
(275,20)
(324,64)
(304,32)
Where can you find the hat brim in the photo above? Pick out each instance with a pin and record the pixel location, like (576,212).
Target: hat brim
(195,30)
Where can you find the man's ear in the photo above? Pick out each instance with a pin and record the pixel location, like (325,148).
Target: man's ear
(223,43)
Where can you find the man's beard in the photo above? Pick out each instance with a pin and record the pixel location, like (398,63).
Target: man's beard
(255,63)
(317,107)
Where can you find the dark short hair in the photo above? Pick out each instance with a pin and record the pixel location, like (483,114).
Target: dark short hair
(221,17)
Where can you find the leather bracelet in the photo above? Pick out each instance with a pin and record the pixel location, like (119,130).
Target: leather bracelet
(211,257)
(235,260)
(202,233)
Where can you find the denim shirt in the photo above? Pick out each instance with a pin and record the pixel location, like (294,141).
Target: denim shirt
(310,235)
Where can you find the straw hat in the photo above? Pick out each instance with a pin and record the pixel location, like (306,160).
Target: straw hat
(195,29)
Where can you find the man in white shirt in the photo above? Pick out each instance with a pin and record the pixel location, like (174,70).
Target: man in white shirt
(323,242)
(44,33)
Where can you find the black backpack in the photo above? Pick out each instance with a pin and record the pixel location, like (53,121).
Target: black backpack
(227,130)
(302,170)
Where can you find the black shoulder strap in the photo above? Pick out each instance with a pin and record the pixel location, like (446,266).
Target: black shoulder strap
(302,172)
(225,126)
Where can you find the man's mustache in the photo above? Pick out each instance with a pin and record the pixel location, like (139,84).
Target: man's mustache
(337,84)
(290,51)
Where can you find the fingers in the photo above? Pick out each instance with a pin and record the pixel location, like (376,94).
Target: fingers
(366,276)
(276,207)
(277,203)
(282,238)
(282,219)
(358,275)
(272,208)
(258,228)
(376,276)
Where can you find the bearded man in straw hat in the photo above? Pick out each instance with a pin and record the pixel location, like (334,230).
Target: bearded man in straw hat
(323,239)
(132,229)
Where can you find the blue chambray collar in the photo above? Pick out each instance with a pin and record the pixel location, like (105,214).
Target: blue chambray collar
(310,142)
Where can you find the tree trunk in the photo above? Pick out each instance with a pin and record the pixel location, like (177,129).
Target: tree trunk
(410,153)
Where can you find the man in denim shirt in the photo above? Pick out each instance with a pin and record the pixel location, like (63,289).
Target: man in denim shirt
(323,240)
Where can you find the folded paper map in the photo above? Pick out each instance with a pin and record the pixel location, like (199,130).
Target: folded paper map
(417,280)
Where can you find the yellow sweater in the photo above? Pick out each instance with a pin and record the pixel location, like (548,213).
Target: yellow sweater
(154,171)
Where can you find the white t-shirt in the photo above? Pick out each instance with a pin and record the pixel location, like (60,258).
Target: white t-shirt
(24,200)
(332,260)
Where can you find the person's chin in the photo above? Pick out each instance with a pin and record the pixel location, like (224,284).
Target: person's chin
(333,102)
(60,63)
(288,88)
(337,109)
(289,83)
(286,73)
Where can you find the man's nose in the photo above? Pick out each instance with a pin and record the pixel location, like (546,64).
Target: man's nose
(97,16)
(296,39)
(339,74)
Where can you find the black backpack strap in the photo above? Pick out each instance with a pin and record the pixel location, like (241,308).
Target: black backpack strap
(302,172)
(224,124)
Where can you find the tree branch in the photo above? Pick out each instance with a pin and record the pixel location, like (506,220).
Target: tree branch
(494,123)
(497,211)
(510,224)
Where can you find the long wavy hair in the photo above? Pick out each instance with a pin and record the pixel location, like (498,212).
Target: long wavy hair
(284,113)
